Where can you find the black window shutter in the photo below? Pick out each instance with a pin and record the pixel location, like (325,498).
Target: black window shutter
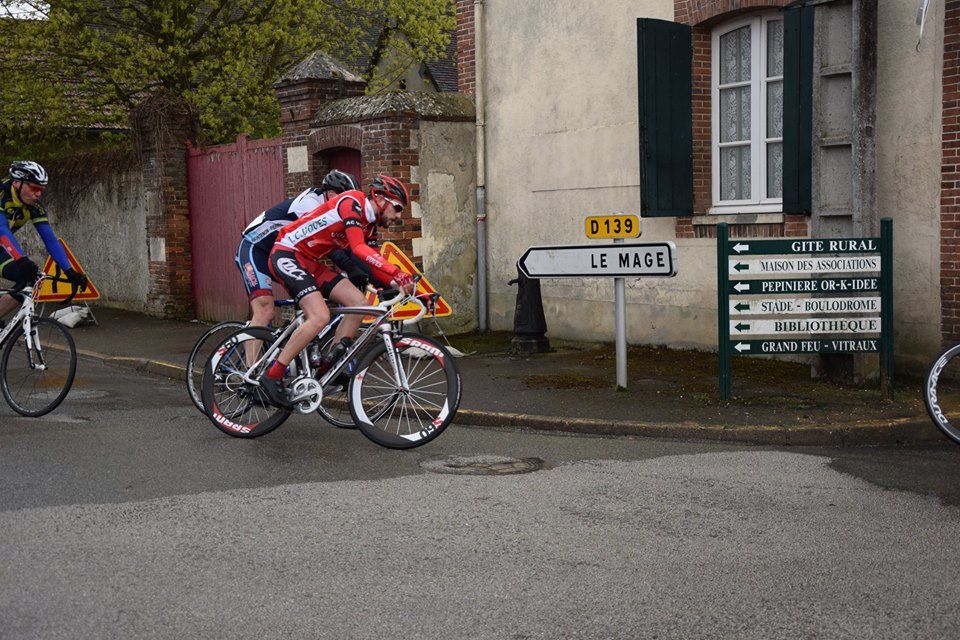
(664,58)
(797,108)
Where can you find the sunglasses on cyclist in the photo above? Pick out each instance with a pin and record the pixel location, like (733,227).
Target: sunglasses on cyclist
(396,205)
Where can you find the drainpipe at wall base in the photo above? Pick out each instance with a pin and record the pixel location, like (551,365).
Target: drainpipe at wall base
(481,168)
(481,259)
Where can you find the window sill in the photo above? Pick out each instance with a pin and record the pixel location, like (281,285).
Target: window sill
(738,218)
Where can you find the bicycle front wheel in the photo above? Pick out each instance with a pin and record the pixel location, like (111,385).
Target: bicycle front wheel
(399,416)
(201,353)
(35,378)
(235,406)
(941,393)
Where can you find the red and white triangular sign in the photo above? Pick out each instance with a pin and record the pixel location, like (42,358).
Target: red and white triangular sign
(52,291)
(394,255)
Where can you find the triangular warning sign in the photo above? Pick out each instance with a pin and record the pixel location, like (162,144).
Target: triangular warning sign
(394,255)
(52,291)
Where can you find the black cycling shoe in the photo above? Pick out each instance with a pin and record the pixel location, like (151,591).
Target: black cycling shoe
(275,391)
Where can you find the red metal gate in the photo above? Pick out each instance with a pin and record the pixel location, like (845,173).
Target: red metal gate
(229,184)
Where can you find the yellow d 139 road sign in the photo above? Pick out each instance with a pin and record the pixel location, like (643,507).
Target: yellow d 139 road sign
(619,225)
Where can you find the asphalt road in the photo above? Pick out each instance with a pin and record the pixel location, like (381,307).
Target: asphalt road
(126,515)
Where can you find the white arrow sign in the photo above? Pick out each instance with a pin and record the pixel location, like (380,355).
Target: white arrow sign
(739,248)
(739,266)
(742,347)
(769,306)
(596,260)
(805,325)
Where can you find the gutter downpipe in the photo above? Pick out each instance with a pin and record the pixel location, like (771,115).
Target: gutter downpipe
(481,169)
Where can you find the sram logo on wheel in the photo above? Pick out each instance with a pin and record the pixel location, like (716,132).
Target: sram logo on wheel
(429,348)
(229,424)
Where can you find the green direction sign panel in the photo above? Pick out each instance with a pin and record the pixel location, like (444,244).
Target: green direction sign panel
(802,285)
(786,247)
(762,347)
(813,296)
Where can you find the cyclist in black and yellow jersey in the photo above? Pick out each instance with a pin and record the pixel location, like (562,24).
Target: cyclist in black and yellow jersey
(20,195)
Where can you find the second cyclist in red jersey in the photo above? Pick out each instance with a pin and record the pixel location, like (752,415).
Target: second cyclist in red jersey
(297,262)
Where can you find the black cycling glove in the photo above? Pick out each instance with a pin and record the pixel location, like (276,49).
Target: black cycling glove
(23,271)
(77,279)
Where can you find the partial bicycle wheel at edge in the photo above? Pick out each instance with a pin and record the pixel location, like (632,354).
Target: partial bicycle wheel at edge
(35,381)
(941,393)
(404,418)
(200,353)
(236,407)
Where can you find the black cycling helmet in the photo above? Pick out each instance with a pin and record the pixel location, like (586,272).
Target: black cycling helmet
(392,189)
(339,181)
(28,171)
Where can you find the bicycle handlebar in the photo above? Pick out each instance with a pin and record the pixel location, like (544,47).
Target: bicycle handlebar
(20,286)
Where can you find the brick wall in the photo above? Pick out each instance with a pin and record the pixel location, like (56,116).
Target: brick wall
(702,15)
(388,145)
(299,101)
(466,48)
(163,125)
(391,146)
(950,177)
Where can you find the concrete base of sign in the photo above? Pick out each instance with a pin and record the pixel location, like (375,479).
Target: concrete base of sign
(523,345)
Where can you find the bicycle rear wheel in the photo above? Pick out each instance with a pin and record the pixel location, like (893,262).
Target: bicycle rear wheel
(236,407)
(941,393)
(402,418)
(201,353)
(36,379)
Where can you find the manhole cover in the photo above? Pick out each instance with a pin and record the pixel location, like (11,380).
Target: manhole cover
(486,465)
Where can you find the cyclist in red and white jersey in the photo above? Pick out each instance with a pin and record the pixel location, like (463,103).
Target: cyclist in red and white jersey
(257,240)
(297,261)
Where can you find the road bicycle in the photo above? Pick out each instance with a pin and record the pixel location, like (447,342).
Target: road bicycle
(334,407)
(941,393)
(402,389)
(39,358)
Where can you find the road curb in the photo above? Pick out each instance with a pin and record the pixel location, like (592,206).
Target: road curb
(901,431)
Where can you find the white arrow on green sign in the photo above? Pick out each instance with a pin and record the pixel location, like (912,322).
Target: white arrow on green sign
(809,246)
(761,347)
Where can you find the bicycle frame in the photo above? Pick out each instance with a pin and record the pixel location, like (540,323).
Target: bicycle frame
(23,318)
(381,324)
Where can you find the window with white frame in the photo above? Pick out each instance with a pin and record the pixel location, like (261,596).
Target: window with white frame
(747,105)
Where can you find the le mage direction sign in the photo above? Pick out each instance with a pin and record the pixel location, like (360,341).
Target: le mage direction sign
(618,260)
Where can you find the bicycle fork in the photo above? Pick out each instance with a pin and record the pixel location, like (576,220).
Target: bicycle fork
(32,340)
(399,374)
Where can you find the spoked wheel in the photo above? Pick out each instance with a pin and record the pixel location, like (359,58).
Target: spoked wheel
(236,407)
(201,353)
(399,417)
(941,393)
(36,378)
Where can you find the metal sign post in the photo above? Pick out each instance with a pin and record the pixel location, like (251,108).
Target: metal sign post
(620,309)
